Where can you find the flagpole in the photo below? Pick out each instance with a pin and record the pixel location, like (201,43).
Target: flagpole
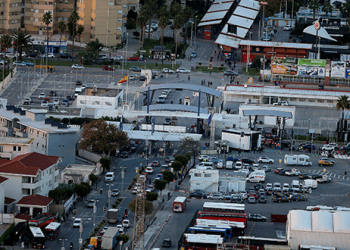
(127,86)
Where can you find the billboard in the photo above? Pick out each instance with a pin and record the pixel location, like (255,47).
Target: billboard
(338,69)
(284,60)
(284,69)
(347,73)
(312,62)
(309,71)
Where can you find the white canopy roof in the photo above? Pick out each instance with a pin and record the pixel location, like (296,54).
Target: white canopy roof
(321,33)
(160,136)
(228,41)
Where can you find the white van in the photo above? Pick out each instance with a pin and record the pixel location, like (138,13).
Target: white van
(296,186)
(220,165)
(239,165)
(310,183)
(285,187)
(109,176)
(205,164)
(294,160)
(229,164)
(256,176)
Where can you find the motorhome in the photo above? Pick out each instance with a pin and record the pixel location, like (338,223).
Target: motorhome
(294,160)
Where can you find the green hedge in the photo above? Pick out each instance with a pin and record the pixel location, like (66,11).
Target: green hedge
(7,233)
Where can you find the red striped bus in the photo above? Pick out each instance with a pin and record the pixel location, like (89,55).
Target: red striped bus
(179,204)
(223,207)
(237,217)
(51,231)
(202,242)
(256,243)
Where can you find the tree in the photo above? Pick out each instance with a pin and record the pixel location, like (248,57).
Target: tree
(345,10)
(175,9)
(82,190)
(62,27)
(47,20)
(93,178)
(6,42)
(314,5)
(22,40)
(178,22)
(342,103)
(148,206)
(182,159)
(328,8)
(151,196)
(176,165)
(123,237)
(72,26)
(105,163)
(190,145)
(61,193)
(94,47)
(80,31)
(168,176)
(187,14)
(163,23)
(150,11)
(102,137)
(160,185)
(141,23)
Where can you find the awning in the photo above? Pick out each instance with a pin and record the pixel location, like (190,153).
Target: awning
(321,33)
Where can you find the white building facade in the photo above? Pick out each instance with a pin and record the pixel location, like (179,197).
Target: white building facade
(11,147)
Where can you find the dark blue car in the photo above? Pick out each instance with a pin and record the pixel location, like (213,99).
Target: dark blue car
(230,158)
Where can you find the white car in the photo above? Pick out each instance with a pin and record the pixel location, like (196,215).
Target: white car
(281,103)
(265,160)
(215,196)
(202,157)
(77,222)
(121,229)
(50,55)
(287,28)
(294,172)
(132,77)
(41,95)
(126,223)
(329,147)
(166,70)
(154,25)
(45,104)
(183,70)
(77,66)
(17,63)
(149,170)
(117,58)
(56,102)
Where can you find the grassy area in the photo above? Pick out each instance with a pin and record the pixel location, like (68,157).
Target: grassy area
(6,74)
(168,45)
(207,70)
(251,71)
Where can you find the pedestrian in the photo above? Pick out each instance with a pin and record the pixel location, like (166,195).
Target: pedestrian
(239,151)
(189,77)
(178,76)
(234,65)
(345,173)
(214,51)
(22,244)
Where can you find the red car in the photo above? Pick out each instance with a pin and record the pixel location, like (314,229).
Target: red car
(278,170)
(134,58)
(108,68)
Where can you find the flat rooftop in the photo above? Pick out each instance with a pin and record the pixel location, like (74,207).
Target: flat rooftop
(16,140)
(102,92)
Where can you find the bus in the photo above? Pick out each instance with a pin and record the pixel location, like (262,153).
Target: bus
(209,231)
(179,204)
(37,237)
(42,220)
(219,226)
(237,217)
(258,242)
(238,228)
(51,231)
(202,242)
(306,247)
(223,207)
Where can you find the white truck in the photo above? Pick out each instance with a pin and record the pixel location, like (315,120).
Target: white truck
(294,160)
(112,215)
(296,186)
(109,238)
(229,164)
(256,176)
(310,183)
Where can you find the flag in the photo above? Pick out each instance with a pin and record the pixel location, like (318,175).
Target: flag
(124,79)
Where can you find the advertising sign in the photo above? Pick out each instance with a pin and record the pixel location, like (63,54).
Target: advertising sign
(307,71)
(338,69)
(312,62)
(284,60)
(284,69)
(347,74)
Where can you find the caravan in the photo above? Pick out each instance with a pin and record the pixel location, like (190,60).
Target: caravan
(294,160)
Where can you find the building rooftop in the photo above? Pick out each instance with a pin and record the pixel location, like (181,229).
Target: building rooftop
(101,92)
(216,12)
(35,200)
(276,44)
(16,140)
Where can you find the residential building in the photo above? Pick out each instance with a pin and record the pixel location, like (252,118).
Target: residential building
(31,173)
(49,137)
(77,173)
(10,16)
(11,147)
(34,205)
(103,20)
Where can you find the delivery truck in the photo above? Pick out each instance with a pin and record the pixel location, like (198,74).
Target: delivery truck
(297,160)
(112,215)
(109,238)
(310,183)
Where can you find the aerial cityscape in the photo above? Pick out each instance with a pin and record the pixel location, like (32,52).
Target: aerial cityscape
(187,125)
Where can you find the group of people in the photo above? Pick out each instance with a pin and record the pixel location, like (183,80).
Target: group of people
(209,83)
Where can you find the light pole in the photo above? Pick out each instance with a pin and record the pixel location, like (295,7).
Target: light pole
(195,29)
(62,248)
(191,33)
(94,211)
(122,175)
(248,53)
(80,231)
(109,194)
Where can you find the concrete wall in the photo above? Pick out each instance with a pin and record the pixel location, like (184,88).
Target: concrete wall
(89,155)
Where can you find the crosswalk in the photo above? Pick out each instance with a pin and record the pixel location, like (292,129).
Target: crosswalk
(329,174)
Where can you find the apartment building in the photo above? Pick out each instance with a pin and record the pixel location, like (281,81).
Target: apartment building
(11,147)
(103,20)
(49,137)
(28,174)
(35,9)
(11,14)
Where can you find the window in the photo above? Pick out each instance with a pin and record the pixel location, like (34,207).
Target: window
(36,11)
(256,97)
(207,175)
(311,100)
(1,13)
(232,28)
(66,19)
(25,191)
(2,5)
(14,149)
(1,149)
(321,101)
(37,144)
(120,11)
(119,28)
(19,148)
(197,175)
(120,20)
(302,100)
(36,19)
(292,99)
(329,101)
(26,179)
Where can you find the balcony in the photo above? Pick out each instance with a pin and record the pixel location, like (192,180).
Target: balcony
(20,132)
(6,155)
(31,185)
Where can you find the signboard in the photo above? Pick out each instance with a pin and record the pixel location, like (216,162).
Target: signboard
(284,60)
(284,69)
(338,69)
(312,62)
(317,25)
(307,71)
(347,73)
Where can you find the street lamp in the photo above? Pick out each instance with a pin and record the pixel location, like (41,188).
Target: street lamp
(94,211)
(63,248)
(80,231)
(109,193)
(122,175)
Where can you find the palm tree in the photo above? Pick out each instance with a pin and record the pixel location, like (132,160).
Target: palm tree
(61,29)
(141,22)
(328,8)
(175,8)
(22,39)
(188,13)
(47,20)
(80,31)
(73,19)
(94,47)
(178,21)
(314,5)
(6,42)
(163,22)
(150,10)
(342,103)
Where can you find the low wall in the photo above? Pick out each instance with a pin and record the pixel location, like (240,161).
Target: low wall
(89,155)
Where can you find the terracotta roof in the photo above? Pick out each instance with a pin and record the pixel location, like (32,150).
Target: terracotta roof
(28,164)
(35,199)
(23,216)
(9,200)
(3,179)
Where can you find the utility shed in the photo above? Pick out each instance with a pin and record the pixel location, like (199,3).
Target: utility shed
(322,228)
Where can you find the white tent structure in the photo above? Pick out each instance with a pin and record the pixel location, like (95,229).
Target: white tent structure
(322,228)
(322,33)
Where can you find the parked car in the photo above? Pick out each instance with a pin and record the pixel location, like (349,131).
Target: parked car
(117,58)
(251,199)
(256,217)
(133,58)
(281,198)
(124,154)
(44,104)
(169,159)
(50,55)
(230,73)
(108,68)
(142,78)
(166,70)
(77,66)
(215,196)
(298,197)
(42,95)
(325,162)
(230,158)
(262,199)
(281,103)
(194,54)
(135,69)
(277,170)
(324,179)
(304,176)
(34,54)
(52,93)
(17,63)
(65,102)
(27,63)
(287,28)
(265,160)
(91,203)
(115,192)
(182,70)
(65,55)
(246,160)
(266,168)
